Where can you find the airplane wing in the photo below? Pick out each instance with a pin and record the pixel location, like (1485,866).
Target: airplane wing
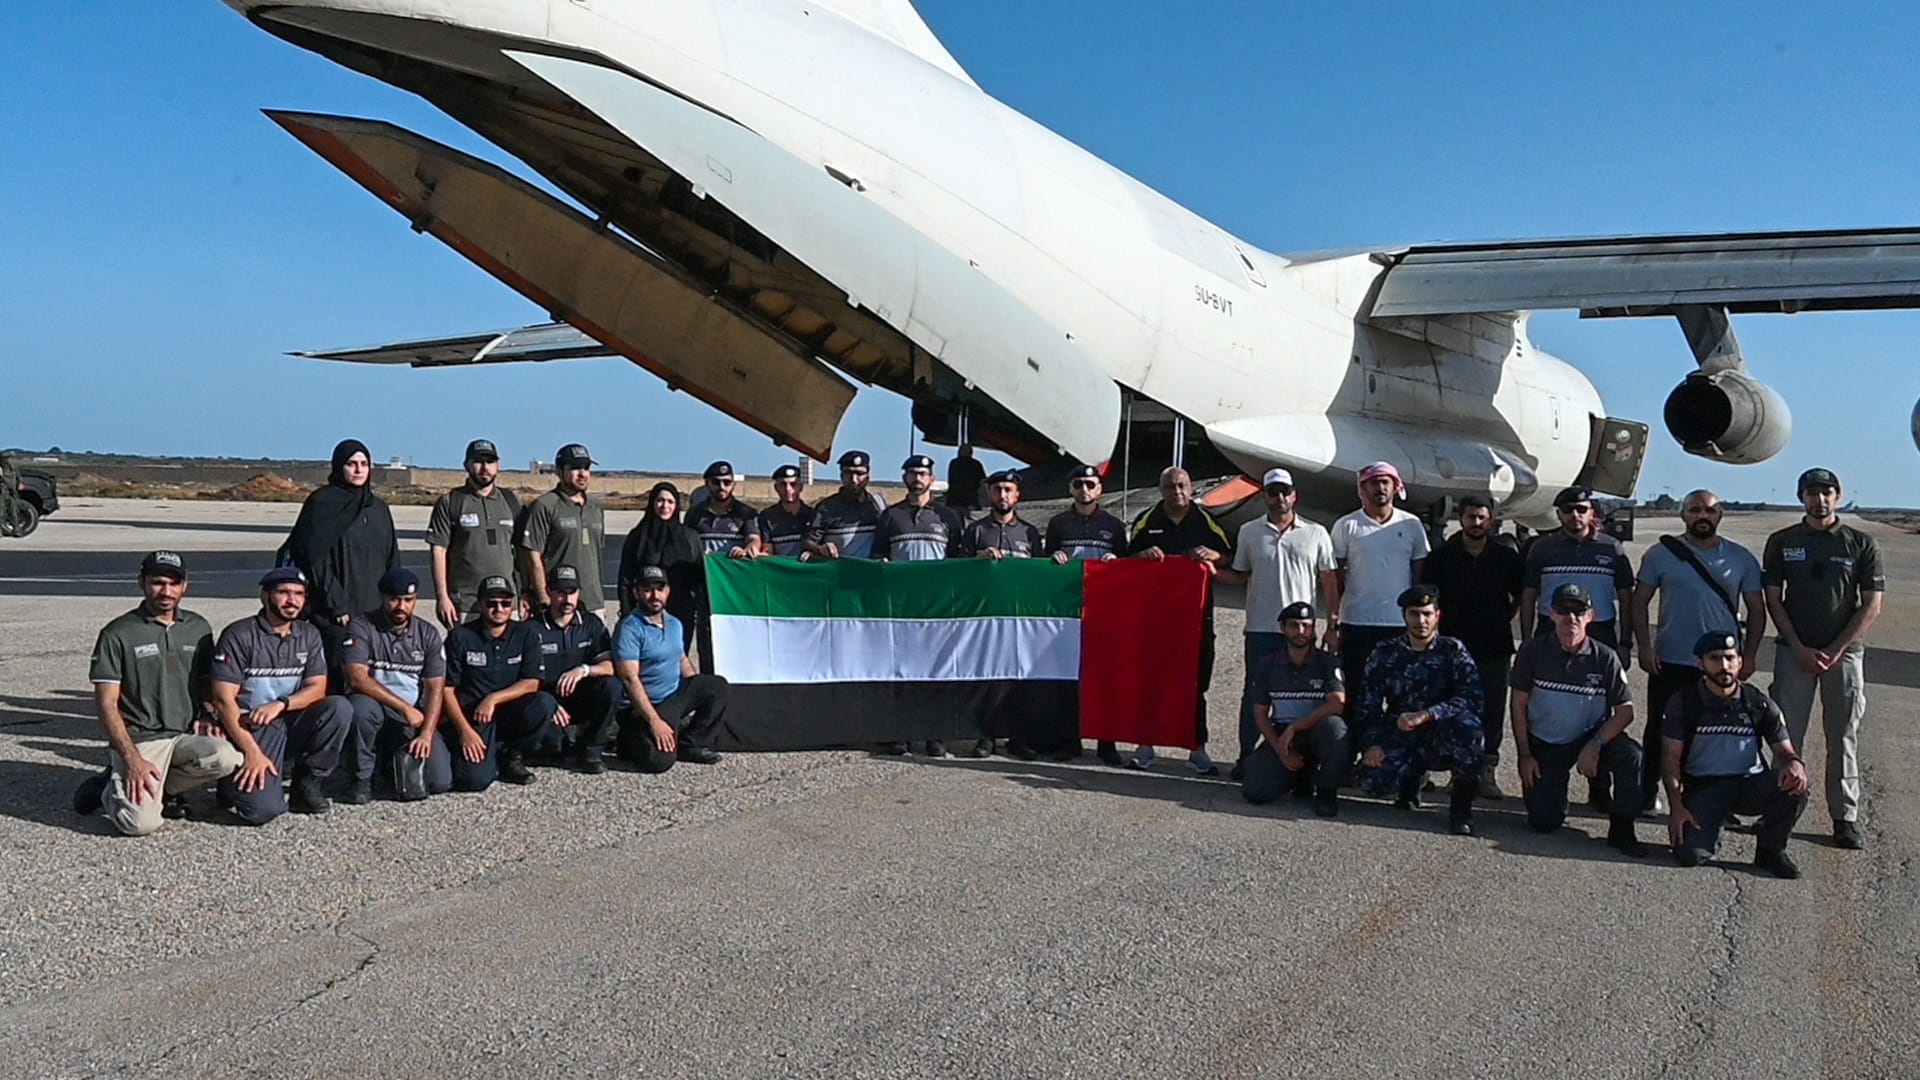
(1655,275)
(544,341)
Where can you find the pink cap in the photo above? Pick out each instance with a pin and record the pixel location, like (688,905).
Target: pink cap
(1380,468)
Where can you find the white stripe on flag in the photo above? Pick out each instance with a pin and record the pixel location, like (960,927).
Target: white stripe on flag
(755,649)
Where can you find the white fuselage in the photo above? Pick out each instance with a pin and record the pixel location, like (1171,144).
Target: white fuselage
(1273,357)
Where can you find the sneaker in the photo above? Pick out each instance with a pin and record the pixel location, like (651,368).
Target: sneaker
(891,749)
(309,796)
(92,791)
(1490,787)
(513,768)
(1620,837)
(1326,802)
(983,748)
(1202,764)
(1846,834)
(1135,764)
(699,755)
(1143,757)
(358,793)
(174,807)
(936,748)
(1778,862)
(1109,754)
(590,762)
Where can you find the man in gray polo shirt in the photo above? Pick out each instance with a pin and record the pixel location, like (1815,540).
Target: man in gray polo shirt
(470,534)
(148,670)
(270,693)
(1301,699)
(1571,709)
(396,666)
(1824,583)
(566,525)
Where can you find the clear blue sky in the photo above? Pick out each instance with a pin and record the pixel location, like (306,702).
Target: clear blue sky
(164,243)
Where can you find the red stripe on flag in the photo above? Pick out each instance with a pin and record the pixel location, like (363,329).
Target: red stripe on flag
(1140,650)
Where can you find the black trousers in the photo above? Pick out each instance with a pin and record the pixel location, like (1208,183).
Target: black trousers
(1356,644)
(593,705)
(1493,668)
(1546,800)
(1670,680)
(693,712)
(1711,798)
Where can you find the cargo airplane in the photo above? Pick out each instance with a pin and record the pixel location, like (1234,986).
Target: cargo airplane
(770,202)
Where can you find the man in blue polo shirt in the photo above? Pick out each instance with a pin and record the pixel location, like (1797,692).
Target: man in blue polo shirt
(1298,699)
(673,710)
(1571,710)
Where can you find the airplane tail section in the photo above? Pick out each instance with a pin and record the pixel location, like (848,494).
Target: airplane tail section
(898,22)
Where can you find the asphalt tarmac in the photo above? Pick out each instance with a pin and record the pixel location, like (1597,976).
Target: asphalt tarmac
(840,915)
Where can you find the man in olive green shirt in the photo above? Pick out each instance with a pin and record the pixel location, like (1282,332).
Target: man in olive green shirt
(470,535)
(566,526)
(149,672)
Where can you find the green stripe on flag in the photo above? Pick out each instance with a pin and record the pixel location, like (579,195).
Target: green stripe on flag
(779,588)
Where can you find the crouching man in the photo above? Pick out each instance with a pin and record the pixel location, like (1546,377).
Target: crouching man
(577,687)
(148,667)
(493,671)
(1712,764)
(396,666)
(1298,698)
(1420,710)
(270,693)
(673,711)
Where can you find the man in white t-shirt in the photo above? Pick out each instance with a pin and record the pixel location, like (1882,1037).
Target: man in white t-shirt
(1283,559)
(1380,549)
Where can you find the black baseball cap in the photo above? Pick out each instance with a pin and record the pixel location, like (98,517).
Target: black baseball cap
(1419,596)
(399,581)
(719,470)
(787,472)
(1715,641)
(563,577)
(482,450)
(917,461)
(1572,599)
(1005,476)
(573,455)
(1299,609)
(1084,472)
(856,459)
(283,575)
(1817,478)
(1572,495)
(495,586)
(164,564)
(650,574)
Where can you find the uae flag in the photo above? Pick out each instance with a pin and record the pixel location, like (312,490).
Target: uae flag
(849,652)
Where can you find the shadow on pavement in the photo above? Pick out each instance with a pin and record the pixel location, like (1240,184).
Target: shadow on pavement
(42,792)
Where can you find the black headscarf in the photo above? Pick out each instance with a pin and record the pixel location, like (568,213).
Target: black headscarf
(330,510)
(662,542)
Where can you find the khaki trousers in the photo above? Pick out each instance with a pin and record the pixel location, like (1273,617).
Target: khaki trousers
(1843,703)
(185,762)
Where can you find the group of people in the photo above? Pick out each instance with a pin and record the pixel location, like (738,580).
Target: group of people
(1371,658)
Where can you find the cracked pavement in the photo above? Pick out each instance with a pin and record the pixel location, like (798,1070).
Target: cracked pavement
(840,915)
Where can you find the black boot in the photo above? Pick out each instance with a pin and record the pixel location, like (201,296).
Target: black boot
(1620,836)
(1409,798)
(1460,806)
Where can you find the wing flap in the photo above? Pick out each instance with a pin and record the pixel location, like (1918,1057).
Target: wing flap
(528,344)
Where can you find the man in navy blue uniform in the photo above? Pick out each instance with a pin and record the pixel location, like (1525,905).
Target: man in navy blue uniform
(1420,710)
(577,687)
(493,669)
(1001,533)
(396,666)
(1298,698)
(844,522)
(781,529)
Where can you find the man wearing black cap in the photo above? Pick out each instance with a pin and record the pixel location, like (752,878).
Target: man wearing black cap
(1823,584)
(1480,582)
(1572,709)
(269,692)
(565,525)
(493,669)
(470,534)
(781,529)
(149,672)
(724,525)
(1299,698)
(917,529)
(397,669)
(844,522)
(1713,765)
(1085,533)
(577,687)
(1420,711)
(1001,533)
(673,711)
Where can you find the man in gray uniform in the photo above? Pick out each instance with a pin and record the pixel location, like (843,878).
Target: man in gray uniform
(781,529)
(1571,709)
(270,694)
(1713,765)
(565,525)
(844,522)
(470,534)
(396,666)
(1823,585)
(917,529)
(1298,701)
(149,668)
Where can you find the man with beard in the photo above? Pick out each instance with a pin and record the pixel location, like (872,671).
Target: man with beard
(149,667)
(917,529)
(397,670)
(1697,576)
(1299,699)
(672,711)
(1480,584)
(724,525)
(1084,533)
(1177,527)
(566,525)
(470,534)
(1713,767)
(844,522)
(1823,584)
(493,669)
(781,529)
(1420,710)
(1001,533)
(270,694)
(1571,709)
(577,687)
(1380,550)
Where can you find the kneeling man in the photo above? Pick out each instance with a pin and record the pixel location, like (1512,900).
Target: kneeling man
(1298,698)
(673,710)
(493,669)
(396,666)
(1571,709)
(1420,710)
(577,687)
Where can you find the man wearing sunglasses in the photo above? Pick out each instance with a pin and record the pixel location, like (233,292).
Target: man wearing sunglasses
(493,670)
(1823,582)
(1580,554)
(843,523)
(781,529)
(1085,533)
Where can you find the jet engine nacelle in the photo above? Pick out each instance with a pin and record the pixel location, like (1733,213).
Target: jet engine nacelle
(1728,416)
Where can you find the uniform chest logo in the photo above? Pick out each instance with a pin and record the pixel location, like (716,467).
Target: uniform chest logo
(1794,554)
(301,656)
(1593,679)
(477,659)
(146,651)
(417,656)
(469,521)
(569,523)
(549,647)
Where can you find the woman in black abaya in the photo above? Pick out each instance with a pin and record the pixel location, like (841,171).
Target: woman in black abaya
(343,541)
(660,539)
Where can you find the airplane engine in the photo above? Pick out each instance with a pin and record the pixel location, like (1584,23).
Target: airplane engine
(1728,416)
